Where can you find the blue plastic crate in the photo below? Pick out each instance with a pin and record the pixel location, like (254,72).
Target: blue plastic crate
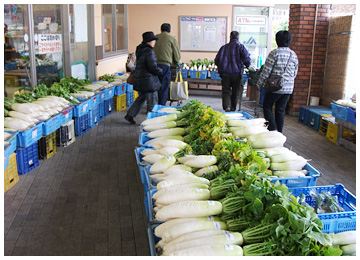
(143,138)
(215,75)
(333,222)
(304,113)
(81,109)
(339,111)
(119,90)
(52,124)
(149,207)
(27,158)
(194,74)
(10,66)
(153,240)
(129,98)
(101,110)
(94,117)
(66,115)
(93,101)
(351,115)
(28,137)
(118,73)
(10,148)
(82,124)
(185,73)
(309,180)
(129,87)
(108,106)
(158,107)
(314,117)
(245,77)
(107,93)
(245,115)
(45,69)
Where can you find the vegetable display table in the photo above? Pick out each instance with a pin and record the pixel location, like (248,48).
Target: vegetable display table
(207,82)
(342,141)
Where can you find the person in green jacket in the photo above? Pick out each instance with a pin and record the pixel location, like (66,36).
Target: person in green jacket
(167,53)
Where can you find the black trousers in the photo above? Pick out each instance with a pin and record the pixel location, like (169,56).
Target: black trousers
(280,101)
(231,90)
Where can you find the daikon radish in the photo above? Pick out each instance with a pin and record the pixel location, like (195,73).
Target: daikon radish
(233,238)
(349,249)
(246,131)
(168,110)
(157,126)
(160,139)
(301,173)
(173,143)
(181,179)
(16,123)
(159,230)
(186,158)
(166,132)
(189,209)
(192,236)
(201,161)
(25,108)
(152,158)
(206,170)
(7,135)
(159,177)
(171,171)
(168,150)
(180,194)
(273,151)
(189,227)
(294,165)
(180,186)
(162,164)
(160,119)
(211,250)
(148,151)
(247,122)
(178,167)
(22,116)
(284,156)
(258,141)
(344,238)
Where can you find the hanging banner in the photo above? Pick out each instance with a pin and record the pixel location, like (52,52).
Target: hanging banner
(49,43)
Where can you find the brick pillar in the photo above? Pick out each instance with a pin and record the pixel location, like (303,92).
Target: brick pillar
(301,26)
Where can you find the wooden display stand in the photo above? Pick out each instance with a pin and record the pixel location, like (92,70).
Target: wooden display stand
(342,141)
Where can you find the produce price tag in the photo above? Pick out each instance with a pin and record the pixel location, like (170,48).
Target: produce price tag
(199,190)
(67,116)
(30,162)
(71,97)
(210,218)
(163,125)
(210,167)
(229,247)
(188,173)
(109,108)
(211,158)
(211,202)
(168,158)
(34,133)
(203,179)
(216,225)
(229,236)
(85,107)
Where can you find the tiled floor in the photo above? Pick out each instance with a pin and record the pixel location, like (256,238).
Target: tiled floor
(88,198)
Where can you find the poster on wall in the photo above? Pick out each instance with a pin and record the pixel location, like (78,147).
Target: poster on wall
(199,33)
(49,43)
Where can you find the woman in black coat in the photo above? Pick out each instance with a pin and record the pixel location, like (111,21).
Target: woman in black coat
(146,80)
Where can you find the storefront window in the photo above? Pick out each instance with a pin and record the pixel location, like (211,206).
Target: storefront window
(79,40)
(48,42)
(16,46)
(114,28)
(252,24)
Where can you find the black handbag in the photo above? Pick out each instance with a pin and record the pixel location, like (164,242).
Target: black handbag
(276,82)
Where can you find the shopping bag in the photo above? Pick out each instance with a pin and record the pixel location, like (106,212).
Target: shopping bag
(179,89)
(130,79)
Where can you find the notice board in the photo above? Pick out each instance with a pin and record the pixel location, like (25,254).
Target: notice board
(199,33)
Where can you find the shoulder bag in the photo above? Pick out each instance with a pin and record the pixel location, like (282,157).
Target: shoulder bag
(276,82)
(179,88)
(130,79)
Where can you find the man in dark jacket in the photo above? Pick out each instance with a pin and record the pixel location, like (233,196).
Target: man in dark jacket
(146,78)
(230,60)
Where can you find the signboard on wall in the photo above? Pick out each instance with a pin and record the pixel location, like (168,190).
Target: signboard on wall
(49,43)
(250,20)
(199,33)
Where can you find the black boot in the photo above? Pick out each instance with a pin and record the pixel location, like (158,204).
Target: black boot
(130,119)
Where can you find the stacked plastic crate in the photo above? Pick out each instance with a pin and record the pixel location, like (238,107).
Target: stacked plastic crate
(129,95)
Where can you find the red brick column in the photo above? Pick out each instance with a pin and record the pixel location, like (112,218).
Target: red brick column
(301,26)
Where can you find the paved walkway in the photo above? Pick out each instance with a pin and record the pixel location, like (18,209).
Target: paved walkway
(88,198)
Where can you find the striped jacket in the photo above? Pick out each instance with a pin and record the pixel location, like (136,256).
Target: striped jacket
(276,63)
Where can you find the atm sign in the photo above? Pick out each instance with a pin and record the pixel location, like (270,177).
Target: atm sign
(250,20)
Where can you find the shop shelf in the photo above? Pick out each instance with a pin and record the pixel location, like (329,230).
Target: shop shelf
(10,148)
(339,111)
(11,176)
(94,116)
(47,146)
(65,135)
(309,180)
(198,74)
(129,98)
(52,124)
(333,222)
(27,158)
(158,107)
(66,115)
(82,124)
(81,109)
(351,115)
(108,106)
(101,110)
(31,136)
(215,75)
(120,102)
(119,90)
(315,117)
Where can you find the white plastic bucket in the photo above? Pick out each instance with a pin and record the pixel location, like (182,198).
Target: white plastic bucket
(314,101)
